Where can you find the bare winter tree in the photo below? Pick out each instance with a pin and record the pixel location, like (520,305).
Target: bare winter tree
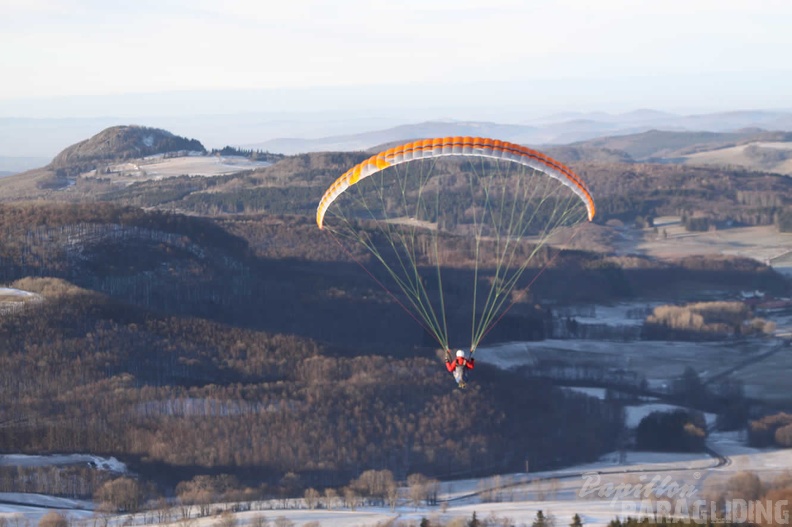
(122,494)
(53,519)
(259,520)
(227,519)
(331,498)
(422,489)
(375,485)
(417,484)
(311,498)
(745,486)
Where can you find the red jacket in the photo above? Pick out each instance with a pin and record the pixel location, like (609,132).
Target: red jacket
(467,363)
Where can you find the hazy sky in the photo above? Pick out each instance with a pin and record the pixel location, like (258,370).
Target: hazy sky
(77,56)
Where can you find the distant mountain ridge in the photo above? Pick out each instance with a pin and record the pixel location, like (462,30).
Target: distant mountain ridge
(366,140)
(299,132)
(665,146)
(564,129)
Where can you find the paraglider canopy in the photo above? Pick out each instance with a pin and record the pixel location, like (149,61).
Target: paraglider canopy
(422,207)
(459,146)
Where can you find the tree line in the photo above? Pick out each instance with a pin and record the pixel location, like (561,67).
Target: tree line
(742,498)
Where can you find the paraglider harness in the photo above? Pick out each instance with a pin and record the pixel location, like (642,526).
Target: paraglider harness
(459,366)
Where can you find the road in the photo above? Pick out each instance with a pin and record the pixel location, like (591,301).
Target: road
(719,461)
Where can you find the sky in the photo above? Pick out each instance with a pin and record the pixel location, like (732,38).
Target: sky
(70,58)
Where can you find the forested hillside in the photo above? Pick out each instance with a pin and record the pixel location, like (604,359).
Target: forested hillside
(717,198)
(281,274)
(182,396)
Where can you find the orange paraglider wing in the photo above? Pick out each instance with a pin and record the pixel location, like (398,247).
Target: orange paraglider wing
(456,146)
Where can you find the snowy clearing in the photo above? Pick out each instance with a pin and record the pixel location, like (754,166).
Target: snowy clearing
(36,502)
(12,300)
(160,168)
(10,294)
(110,464)
(763,243)
(738,155)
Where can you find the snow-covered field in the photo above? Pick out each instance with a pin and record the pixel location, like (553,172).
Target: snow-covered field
(34,505)
(8,294)
(660,360)
(764,366)
(110,464)
(736,155)
(156,168)
(762,243)
(597,491)
(12,299)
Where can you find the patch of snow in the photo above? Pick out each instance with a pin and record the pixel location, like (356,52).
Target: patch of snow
(12,300)
(110,464)
(161,167)
(43,501)
(10,291)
